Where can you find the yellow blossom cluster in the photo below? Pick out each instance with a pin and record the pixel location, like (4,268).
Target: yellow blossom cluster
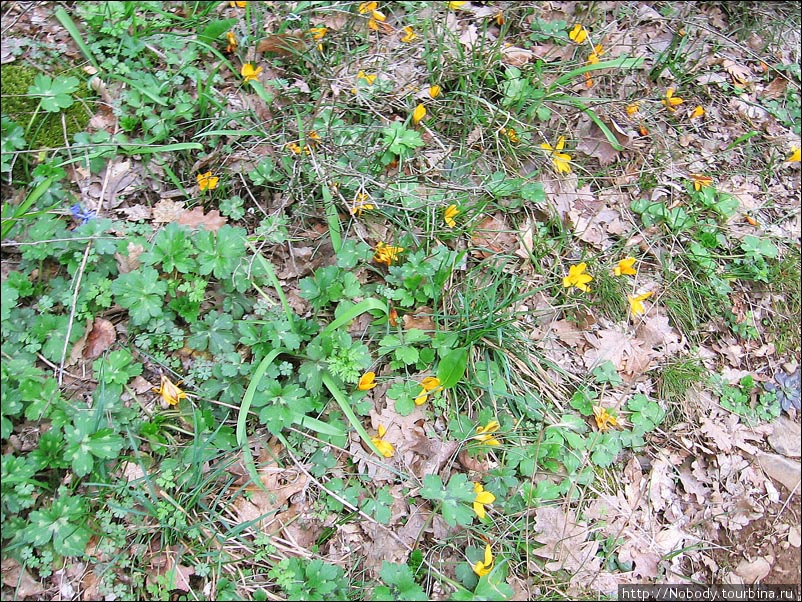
(386,254)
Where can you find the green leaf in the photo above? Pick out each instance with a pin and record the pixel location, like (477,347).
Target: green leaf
(582,400)
(407,355)
(499,185)
(141,292)
(452,367)
(56,94)
(432,488)
(215,333)
(220,253)
(755,246)
(401,582)
(493,587)
(105,444)
(400,140)
(606,373)
(215,29)
(533,192)
(172,248)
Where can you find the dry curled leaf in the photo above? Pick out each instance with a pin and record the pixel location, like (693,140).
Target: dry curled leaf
(16,577)
(740,75)
(512,55)
(130,262)
(283,44)
(166,211)
(494,235)
(136,213)
(101,337)
(211,221)
(421,319)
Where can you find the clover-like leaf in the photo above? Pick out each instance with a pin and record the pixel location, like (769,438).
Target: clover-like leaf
(55,94)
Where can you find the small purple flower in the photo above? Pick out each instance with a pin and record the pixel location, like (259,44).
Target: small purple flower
(79,213)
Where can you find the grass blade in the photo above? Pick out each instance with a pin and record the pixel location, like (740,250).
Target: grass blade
(65,19)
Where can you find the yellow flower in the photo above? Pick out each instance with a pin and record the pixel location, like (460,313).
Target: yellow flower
(376,17)
(206,181)
(636,302)
(795,155)
(249,73)
(455,5)
(561,160)
(294,148)
(700,181)
(421,398)
(577,277)
(385,447)
(367,381)
(578,34)
(598,50)
(410,34)
(318,32)
(625,267)
(697,112)
(386,254)
(232,42)
(171,393)
(449,215)
(604,419)
(369,78)
(483,568)
(633,108)
(418,114)
(361,204)
(511,134)
(376,21)
(434,91)
(482,499)
(237,4)
(428,385)
(484,433)
(671,101)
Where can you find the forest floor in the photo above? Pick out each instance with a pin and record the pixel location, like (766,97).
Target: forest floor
(399,301)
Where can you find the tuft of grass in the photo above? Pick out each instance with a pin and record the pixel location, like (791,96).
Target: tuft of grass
(674,380)
(784,325)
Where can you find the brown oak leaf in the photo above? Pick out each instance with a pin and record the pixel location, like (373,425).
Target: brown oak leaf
(101,337)
(211,221)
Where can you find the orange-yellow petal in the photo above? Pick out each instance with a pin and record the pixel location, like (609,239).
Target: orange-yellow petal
(409,34)
(578,34)
(482,568)
(250,73)
(625,266)
(367,382)
(418,114)
(636,302)
(700,181)
(577,277)
(171,393)
(206,181)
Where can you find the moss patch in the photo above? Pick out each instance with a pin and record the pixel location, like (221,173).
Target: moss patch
(46,130)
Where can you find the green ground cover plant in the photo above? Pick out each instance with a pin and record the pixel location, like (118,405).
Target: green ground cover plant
(365,300)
